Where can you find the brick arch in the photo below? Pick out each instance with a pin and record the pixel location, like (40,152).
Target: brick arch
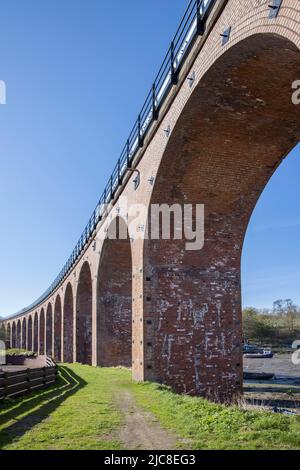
(36,333)
(29,333)
(57,328)
(13,335)
(68,321)
(234,131)
(8,335)
(19,335)
(114,299)
(84,301)
(24,334)
(42,332)
(49,330)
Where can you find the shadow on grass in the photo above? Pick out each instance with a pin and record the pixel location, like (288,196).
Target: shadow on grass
(30,410)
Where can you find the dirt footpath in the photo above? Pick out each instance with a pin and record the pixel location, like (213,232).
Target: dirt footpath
(141,430)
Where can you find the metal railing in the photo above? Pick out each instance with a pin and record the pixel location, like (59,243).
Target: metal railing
(191,26)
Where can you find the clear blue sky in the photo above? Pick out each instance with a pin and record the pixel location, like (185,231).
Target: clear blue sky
(77,73)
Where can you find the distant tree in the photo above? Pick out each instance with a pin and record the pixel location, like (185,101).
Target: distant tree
(291,316)
(255,327)
(278,326)
(279,307)
(250,316)
(288,311)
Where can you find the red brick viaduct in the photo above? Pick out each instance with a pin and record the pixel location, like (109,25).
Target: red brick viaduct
(225,125)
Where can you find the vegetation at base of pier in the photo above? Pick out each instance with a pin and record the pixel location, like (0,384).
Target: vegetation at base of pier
(205,425)
(81,412)
(19,352)
(277,327)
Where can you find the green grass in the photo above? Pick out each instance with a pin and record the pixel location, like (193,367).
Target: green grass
(206,425)
(79,413)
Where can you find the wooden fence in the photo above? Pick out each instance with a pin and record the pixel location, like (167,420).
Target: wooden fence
(17,383)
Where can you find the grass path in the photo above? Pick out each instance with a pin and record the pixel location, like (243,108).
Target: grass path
(93,408)
(140,429)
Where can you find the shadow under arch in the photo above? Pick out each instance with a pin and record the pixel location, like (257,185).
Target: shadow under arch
(19,335)
(49,330)
(36,333)
(29,332)
(68,324)
(114,298)
(42,335)
(24,338)
(13,335)
(8,335)
(236,128)
(57,329)
(84,299)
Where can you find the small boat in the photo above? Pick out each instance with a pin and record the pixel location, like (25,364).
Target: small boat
(258,376)
(264,354)
(251,348)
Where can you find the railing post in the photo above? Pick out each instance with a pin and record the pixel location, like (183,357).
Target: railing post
(173,71)
(154,109)
(111,187)
(128,154)
(141,143)
(119,173)
(200,23)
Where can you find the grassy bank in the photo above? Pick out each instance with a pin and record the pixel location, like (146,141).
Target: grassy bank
(80,412)
(76,413)
(210,426)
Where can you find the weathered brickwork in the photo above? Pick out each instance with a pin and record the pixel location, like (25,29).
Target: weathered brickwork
(84,316)
(19,333)
(49,330)
(13,335)
(42,332)
(57,330)
(114,303)
(229,131)
(23,334)
(8,335)
(29,345)
(196,300)
(68,325)
(36,333)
